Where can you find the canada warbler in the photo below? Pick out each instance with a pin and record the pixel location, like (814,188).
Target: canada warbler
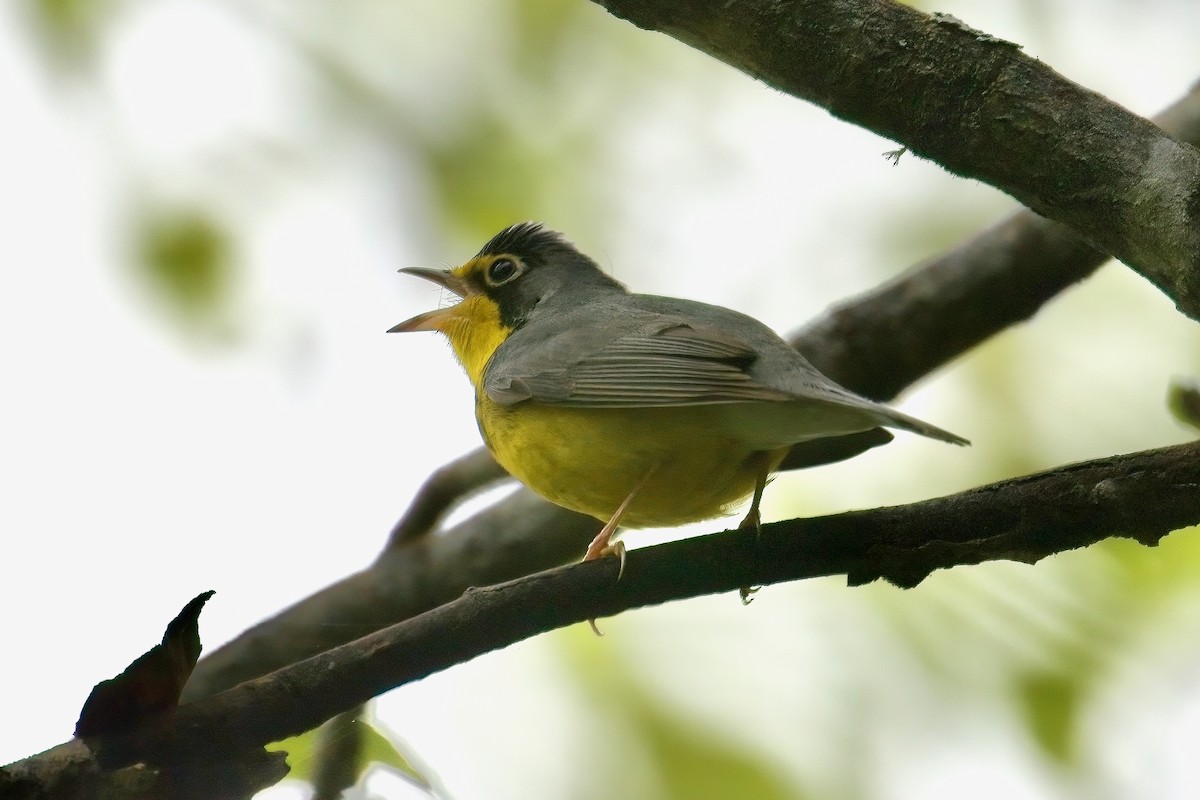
(636,409)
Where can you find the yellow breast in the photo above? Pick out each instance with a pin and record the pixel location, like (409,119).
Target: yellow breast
(589,460)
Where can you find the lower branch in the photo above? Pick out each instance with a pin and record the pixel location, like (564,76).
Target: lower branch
(1142,496)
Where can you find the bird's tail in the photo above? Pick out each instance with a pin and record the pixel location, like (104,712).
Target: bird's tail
(896,419)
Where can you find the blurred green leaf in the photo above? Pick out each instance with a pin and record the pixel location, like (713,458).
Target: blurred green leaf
(487,178)
(379,749)
(70,30)
(1183,398)
(185,257)
(300,750)
(1151,575)
(693,764)
(688,761)
(1050,704)
(539,27)
(303,753)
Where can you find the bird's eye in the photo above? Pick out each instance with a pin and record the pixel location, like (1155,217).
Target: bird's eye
(501,271)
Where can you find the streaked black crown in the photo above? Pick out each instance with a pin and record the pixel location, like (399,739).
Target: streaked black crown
(525,239)
(556,269)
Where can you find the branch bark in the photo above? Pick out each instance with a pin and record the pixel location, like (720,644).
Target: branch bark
(1142,496)
(976,105)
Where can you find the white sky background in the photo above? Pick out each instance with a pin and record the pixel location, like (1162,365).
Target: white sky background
(138,468)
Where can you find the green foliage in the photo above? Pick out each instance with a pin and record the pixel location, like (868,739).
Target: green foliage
(377,748)
(541,26)
(185,256)
(1148,577)
(300,750)
(697,764)
(71,30)
(680,759)
(373,748)
(1051,705)
(489,177)
(1183,398)
(527,149)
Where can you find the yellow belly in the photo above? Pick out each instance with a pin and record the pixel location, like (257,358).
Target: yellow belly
(589,460)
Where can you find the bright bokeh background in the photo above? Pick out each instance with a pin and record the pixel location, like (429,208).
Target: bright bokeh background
(203,207)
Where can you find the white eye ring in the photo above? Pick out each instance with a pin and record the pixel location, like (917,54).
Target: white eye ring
(502,270)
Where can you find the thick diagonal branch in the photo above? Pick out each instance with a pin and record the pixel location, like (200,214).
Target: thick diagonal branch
(976,105)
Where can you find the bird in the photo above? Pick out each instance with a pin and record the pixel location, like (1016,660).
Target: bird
(639,410)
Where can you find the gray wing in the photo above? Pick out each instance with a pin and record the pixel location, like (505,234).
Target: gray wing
(660,362)
(663,352)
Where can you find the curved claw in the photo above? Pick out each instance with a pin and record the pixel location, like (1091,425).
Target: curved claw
(615,549)
(603,546)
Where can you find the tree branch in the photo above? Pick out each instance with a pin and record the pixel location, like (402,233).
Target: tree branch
(1143,496)
(974,104)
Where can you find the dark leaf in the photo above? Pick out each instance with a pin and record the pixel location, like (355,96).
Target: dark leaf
(152,683)
(1184,401)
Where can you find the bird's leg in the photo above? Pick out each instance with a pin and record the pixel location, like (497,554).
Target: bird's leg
(600,545)
(753,519)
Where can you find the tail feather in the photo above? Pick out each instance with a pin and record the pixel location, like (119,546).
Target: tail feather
(896,419)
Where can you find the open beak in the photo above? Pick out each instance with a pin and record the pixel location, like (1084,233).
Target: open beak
(433,320)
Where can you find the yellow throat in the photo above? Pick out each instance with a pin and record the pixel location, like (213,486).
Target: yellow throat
(474,329)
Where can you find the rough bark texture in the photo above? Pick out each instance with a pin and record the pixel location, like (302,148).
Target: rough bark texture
(976,105)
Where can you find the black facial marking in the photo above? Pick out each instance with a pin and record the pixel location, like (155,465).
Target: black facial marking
(532,264)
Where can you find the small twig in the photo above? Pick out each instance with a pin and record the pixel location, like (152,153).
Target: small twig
(445,488)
